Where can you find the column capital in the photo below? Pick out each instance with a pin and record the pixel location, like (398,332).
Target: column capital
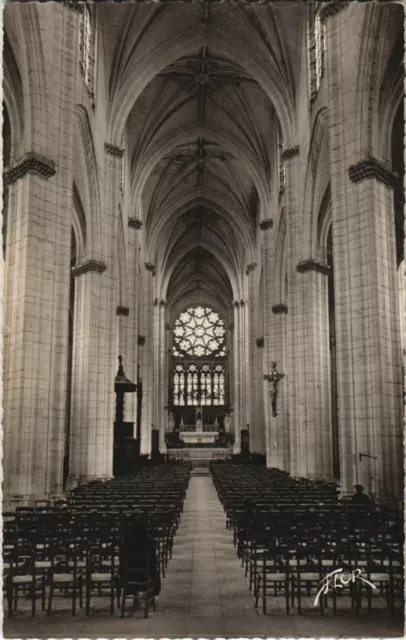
(330,9)
(30,162)
(260,342)
(158,302)
(112,150)
(76,6)
(266,224)
(150,267)
(236,303)
(313,265)
(134,223)
(88,266)
(250,268)
(287,154)
(141,341)
(279,308)
(372,168)
(122,311)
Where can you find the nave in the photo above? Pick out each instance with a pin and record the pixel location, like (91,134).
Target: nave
(204,594)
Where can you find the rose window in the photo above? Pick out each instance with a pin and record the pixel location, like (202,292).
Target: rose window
(199,332)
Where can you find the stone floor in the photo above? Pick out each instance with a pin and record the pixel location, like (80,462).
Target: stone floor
(204,594)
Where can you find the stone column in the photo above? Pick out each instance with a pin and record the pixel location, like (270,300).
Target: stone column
(274,452)
(245,367)
(156,363)
(236,418)
(308,375)
(131,353)
(230,370)
(88,364)
(279,432)
(145,342)
(369,356)
(255,364)
(162,398)
(94,351)
(36,289)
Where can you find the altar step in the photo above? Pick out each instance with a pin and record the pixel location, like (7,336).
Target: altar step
(199,457)
(200,472)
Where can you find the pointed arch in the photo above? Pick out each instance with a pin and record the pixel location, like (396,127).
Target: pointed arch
(317,174)
(79,224)
(91,187)
(281,261)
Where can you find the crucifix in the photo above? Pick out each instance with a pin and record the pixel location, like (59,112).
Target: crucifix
(273,378)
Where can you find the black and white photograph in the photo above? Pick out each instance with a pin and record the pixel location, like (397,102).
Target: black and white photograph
(203,319)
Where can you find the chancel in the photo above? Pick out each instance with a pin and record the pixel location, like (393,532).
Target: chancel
(203,317)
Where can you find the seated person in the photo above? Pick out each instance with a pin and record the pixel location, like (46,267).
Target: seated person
(360,497)
(137,546)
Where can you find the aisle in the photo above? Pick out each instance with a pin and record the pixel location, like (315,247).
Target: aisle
(204,594)
(205,591)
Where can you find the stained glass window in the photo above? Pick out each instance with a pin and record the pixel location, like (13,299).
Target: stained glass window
(282,173)
(192,385)
(205,385)
(218,385)
(198,345)
(199,332)
(316,50)
(85,43)
(198,386)
(319,48)
(179,385)
(122,177)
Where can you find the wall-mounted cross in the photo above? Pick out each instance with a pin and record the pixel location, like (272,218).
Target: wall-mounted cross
(273,377)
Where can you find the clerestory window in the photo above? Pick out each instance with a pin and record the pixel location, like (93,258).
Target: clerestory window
(317,52)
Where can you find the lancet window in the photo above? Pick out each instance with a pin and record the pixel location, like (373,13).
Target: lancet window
(317,51)
(85,44)
(282,173)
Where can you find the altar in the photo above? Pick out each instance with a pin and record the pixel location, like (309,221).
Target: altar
(198,437)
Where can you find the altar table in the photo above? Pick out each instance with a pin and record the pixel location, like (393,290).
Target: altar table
(197,437)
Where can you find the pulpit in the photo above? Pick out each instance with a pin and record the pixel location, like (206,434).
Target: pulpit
(125,445)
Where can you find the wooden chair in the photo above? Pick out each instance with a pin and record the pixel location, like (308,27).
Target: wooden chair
(102,573)
(66,574)
(274,578)
(22,576)
(307,573)
(138,582)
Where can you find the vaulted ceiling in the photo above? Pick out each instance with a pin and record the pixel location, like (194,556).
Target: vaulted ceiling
(201,130)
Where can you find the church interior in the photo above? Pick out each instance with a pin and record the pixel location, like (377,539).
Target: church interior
(203,319)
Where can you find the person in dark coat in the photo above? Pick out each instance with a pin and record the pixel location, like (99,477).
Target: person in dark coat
(136,552)
(360,497)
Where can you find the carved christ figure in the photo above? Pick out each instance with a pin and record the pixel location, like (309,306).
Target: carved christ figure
(273,377)
(273,397)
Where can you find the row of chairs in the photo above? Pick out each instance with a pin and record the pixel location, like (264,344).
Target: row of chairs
(291,535)
(74,551)
(220,455)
